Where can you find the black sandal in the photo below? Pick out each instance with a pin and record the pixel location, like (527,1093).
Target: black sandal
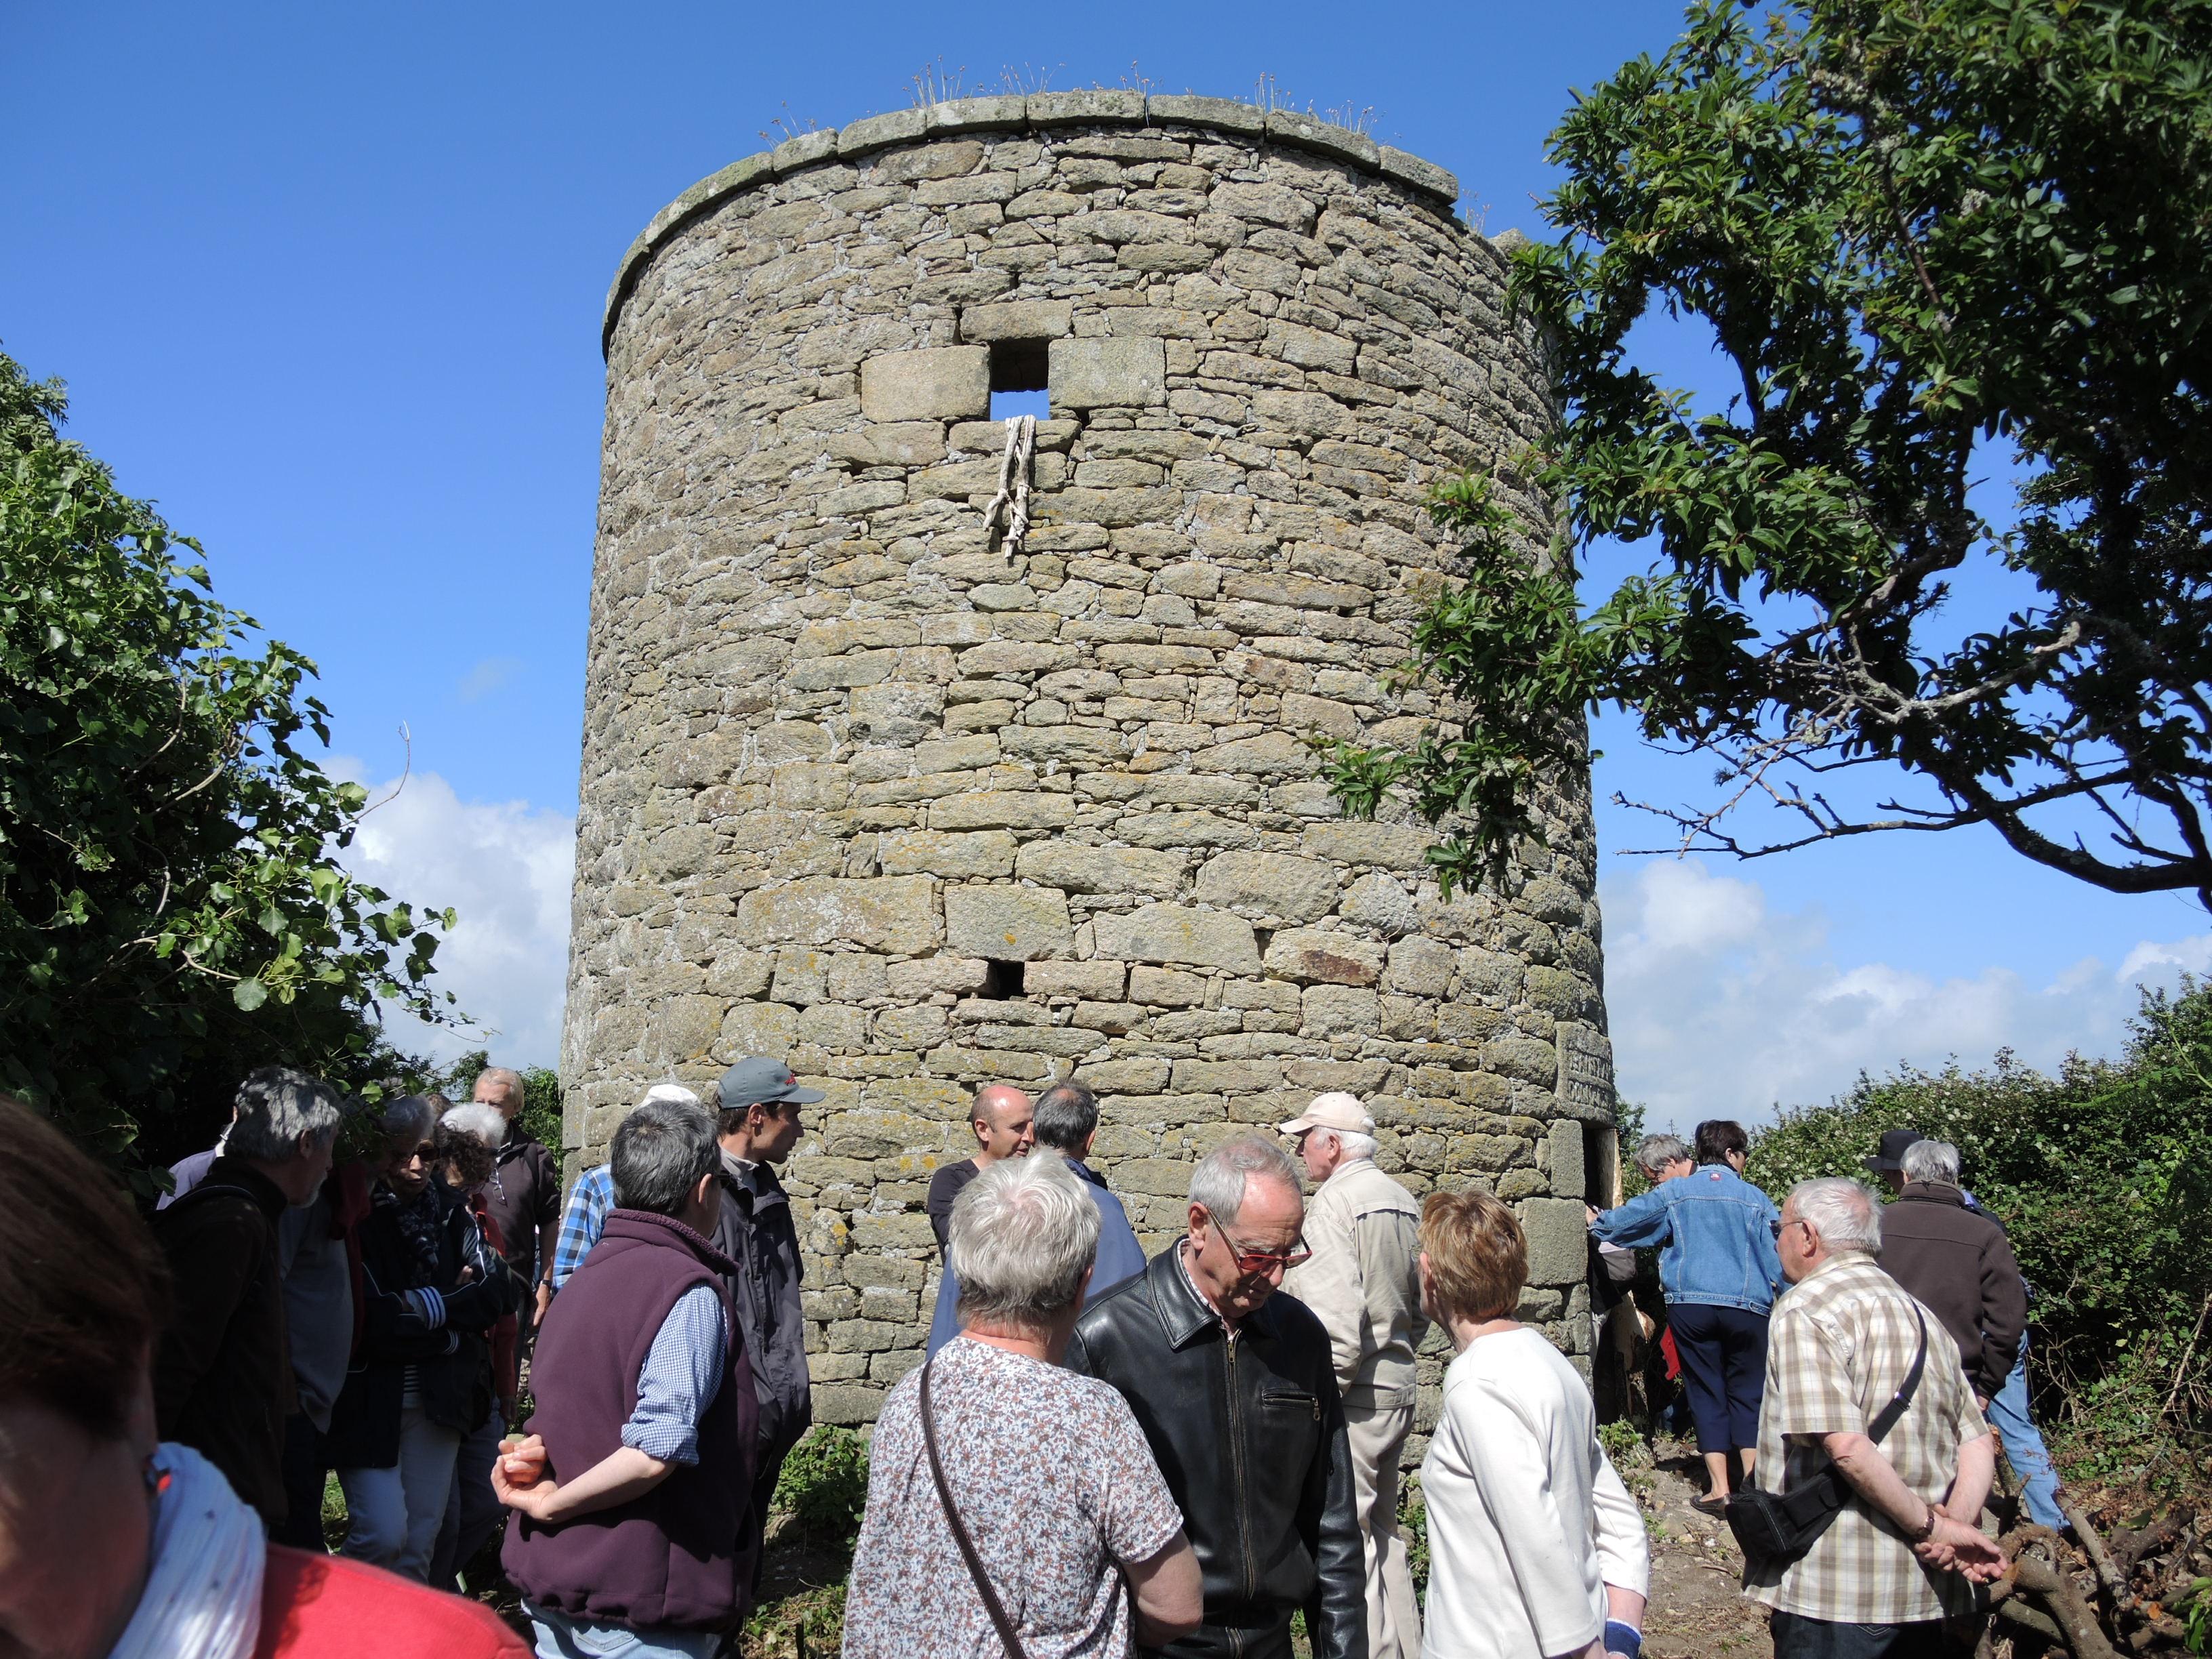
(1709,1505)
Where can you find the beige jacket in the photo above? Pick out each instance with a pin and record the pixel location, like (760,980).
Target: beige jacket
(1364,1281)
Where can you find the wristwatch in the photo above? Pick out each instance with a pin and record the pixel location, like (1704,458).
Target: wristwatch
(1928,1527)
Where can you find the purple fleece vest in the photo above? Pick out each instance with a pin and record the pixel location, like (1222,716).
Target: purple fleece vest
(680,1558)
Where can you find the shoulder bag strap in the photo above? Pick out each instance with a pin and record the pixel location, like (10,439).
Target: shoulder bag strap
(992,1605)
(1890,1413)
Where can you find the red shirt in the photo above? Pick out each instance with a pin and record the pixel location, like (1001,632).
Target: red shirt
(325,1607)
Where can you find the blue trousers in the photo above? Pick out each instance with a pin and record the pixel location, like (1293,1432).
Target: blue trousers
(1723,1371)
(1799,1638)
(2009,1415)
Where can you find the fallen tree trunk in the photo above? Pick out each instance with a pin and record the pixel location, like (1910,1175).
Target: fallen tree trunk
(2093,1545)
(2077,1621)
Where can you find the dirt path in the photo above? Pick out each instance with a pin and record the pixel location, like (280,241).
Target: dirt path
(1696,1608)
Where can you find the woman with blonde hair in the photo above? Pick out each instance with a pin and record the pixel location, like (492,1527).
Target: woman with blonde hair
(1536,1550)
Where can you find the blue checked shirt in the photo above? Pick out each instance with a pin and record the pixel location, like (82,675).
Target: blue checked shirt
(582,1222)
(681,1375)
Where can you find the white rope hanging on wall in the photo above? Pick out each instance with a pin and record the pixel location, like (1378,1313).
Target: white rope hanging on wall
(1013,496)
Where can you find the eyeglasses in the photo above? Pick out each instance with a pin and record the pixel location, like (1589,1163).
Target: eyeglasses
(1250,1262)
(1775,1227)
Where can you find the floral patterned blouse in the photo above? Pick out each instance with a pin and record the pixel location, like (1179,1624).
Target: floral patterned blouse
(1057,1487)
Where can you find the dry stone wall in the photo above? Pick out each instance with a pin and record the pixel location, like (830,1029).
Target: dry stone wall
(864,789)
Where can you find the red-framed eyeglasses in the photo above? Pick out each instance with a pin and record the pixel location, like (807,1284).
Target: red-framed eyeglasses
(1250,1262)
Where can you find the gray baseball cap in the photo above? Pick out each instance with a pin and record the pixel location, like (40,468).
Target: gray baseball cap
(758,1079)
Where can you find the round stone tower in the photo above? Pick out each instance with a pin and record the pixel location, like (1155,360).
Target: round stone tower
(877,783)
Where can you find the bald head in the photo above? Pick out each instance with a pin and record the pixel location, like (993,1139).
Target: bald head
(1004,1123)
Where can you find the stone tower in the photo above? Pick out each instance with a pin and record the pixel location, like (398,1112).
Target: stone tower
(867,787)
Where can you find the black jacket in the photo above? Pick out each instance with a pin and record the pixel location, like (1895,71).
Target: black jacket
(523,1198)
(1960,1263)
(1249,1434)
(452,1361)
(222,1375)
(756,1231)
(944,1189)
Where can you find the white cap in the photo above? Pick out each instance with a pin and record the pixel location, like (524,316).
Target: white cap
(1340,1112)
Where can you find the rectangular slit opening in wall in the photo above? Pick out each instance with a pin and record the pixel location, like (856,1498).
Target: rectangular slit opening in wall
(1020,372)
(1602,1166)
(1002,981)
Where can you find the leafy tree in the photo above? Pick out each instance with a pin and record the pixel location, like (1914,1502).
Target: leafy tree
(1916,230)
(172,910)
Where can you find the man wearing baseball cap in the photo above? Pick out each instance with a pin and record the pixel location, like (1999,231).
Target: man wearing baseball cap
(1364,1282)
(759,1124)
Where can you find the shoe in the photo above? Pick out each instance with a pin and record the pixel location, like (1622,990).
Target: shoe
(1715,1507)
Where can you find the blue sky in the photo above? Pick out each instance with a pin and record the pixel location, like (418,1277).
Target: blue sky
(327,282)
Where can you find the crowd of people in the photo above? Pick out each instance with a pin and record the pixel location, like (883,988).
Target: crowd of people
(1875,1353)
(1185,1454)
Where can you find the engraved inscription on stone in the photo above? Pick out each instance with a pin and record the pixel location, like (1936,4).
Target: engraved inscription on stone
(1585,1069)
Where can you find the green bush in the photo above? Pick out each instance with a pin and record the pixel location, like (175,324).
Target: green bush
(2102,1175)
(1413,1525)
(825,1486)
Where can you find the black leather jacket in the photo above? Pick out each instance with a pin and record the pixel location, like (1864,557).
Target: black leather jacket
(1249,1433)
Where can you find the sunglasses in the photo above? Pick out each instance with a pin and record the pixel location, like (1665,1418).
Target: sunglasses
(1775,1227)
(1252,1262)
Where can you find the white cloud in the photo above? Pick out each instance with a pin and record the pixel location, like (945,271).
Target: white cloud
(490,675)
(1722,1007)
(504,867)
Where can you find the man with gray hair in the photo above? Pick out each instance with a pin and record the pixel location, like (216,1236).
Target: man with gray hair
(524,1196)
(1364,1283)
(593,1196)
(1957,1262)
(1664,1158)
(1846,1341)
(635,1484)
(1065,1122)
(1236,1389)
(2009,1411)
(222,1375)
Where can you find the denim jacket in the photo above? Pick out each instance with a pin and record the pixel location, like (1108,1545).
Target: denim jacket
(1716,1246)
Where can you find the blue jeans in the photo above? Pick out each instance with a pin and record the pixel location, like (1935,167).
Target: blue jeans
(2008,1414)
(560,1637)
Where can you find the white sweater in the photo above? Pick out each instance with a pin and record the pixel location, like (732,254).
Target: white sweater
(1527,1521)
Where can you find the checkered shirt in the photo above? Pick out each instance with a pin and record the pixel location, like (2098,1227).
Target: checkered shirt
(583,1221)
(1839,1348)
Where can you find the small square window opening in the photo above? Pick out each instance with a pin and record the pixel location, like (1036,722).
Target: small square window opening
(1018,374)
(1002,981)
